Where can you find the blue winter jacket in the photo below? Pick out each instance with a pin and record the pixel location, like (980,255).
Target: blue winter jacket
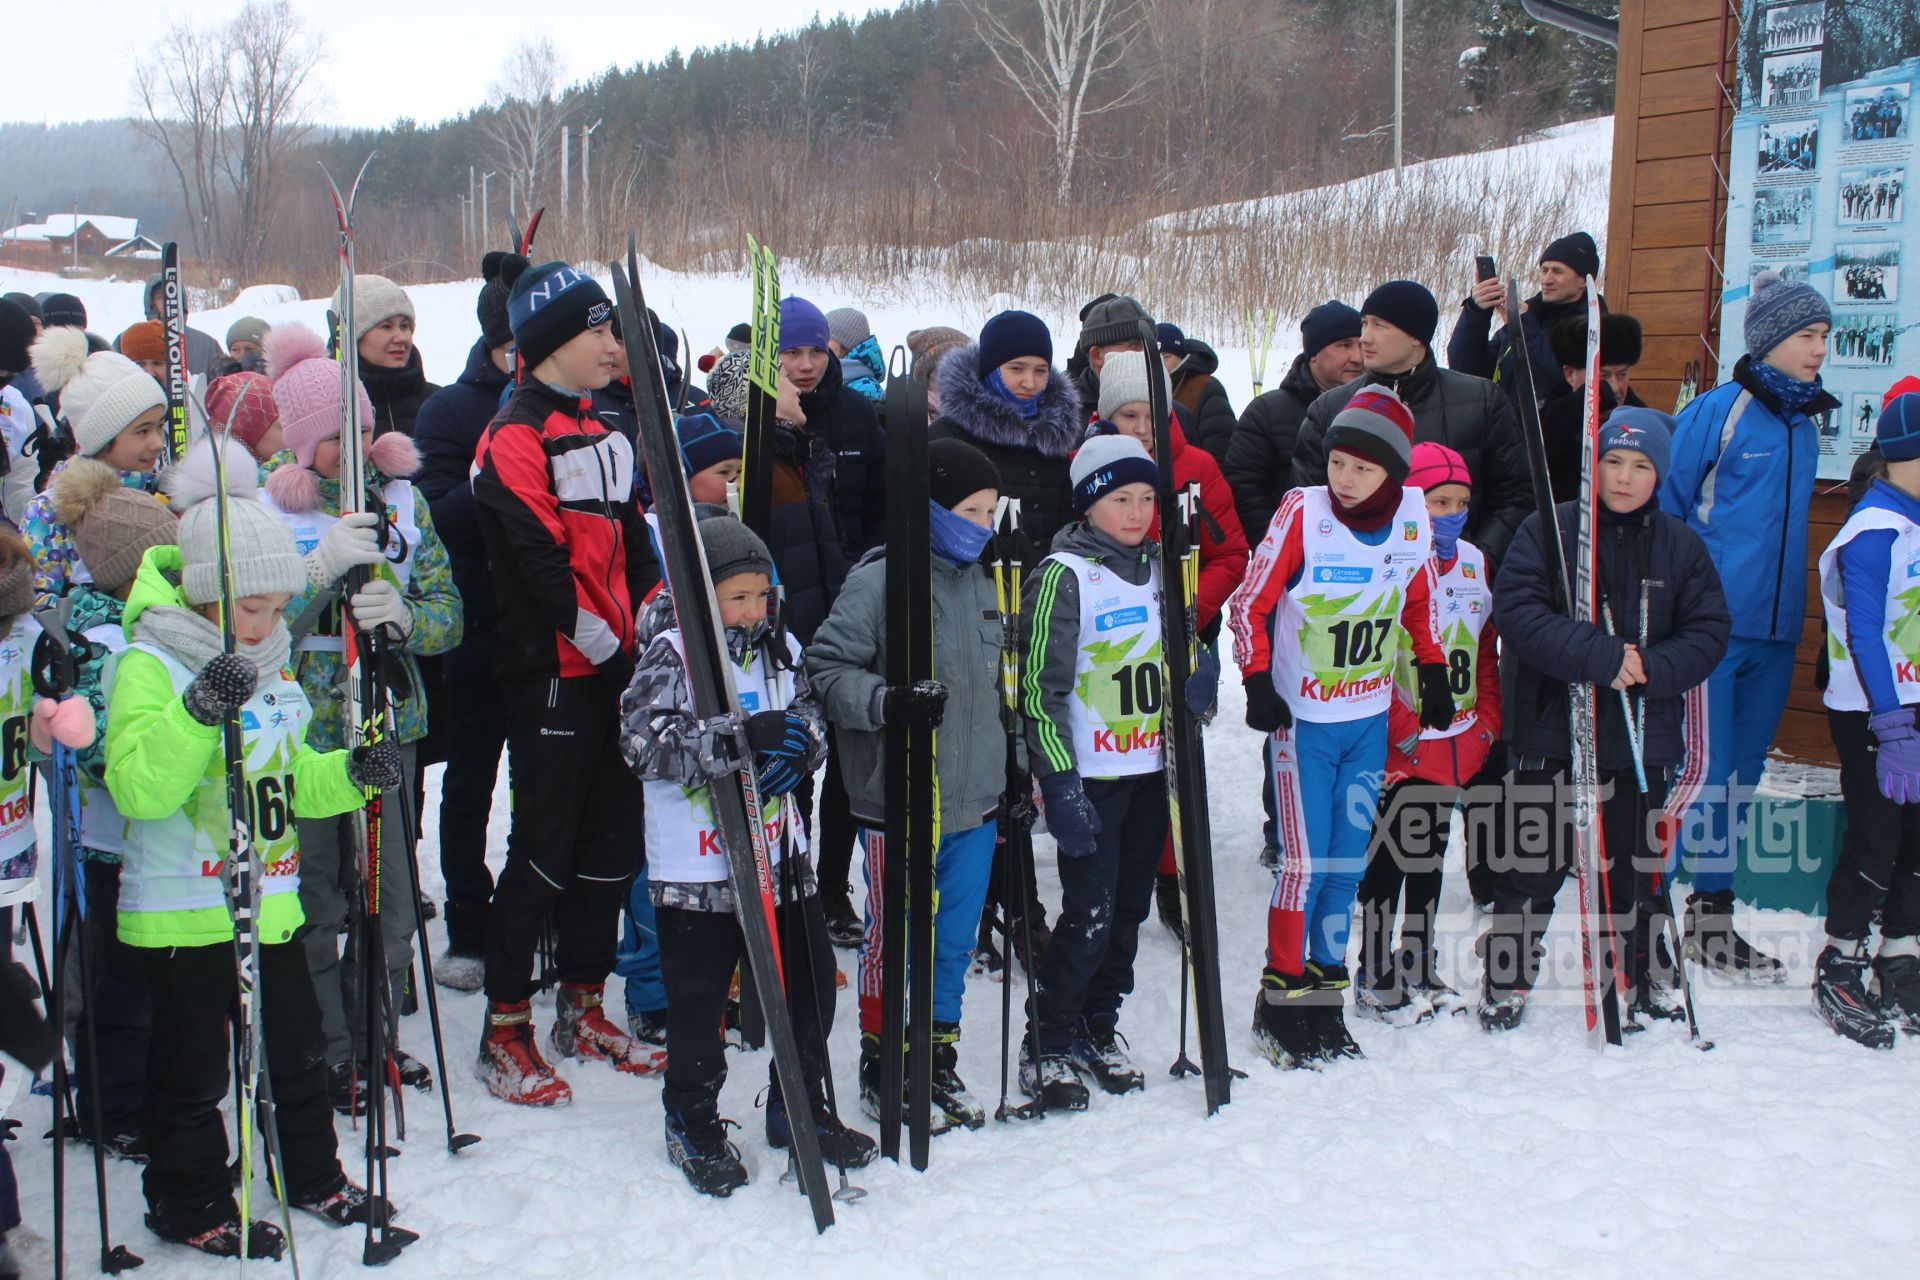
(1742,478)
(446,433)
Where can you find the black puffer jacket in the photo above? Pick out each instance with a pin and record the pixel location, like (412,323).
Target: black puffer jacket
(844,420)
(1467,414)
(1210,420)
(1686,634)
(397,394)
(1259,462)
(1032,454)
(447,432)
(1561,419)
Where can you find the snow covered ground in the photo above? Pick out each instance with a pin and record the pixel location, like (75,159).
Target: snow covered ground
(1783,1152)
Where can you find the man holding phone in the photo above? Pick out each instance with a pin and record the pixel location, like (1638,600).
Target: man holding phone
(1479,344)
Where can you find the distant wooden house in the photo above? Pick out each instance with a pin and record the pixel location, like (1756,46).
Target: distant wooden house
(69,239)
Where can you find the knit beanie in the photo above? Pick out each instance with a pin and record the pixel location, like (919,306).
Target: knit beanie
(492,306)
(740,337)
(99,393)
(1109,320)
(802,325)
(706,441)
(16,336)
(1648,431)
(112,524)
(1898,431)
(727,386)
(1330,322)
(306,390)
(1123,380)
(264,559)
(63,311)
(549,306)
(732,548)
(1173,341)
(26,302)
(928,345)
(144,341)
(1103,464)
(1620,340)
(848,327)
(1575,250)
(246,400)
(1007,336)
(375,299)
(248,329)
(1377,426)
(1434,465)
(956,471)
(1407,306)
(1778,309)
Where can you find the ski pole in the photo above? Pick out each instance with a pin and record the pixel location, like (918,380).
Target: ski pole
(1016,804)
(1626,701)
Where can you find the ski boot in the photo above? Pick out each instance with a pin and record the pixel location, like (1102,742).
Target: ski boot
(950,1095)
(840,1147)
(844,928)
(413,1073)
(346,1090)
(1652,1003)
(697,1145)
(263,1238)
(648,1026)
(1840,996)
(1502,1010)
(1100,1054)
(1042,935)
(510,1064)
(1326,1012)
(937,1120)
(987,959)
(1051,1080)
(1713,941)
(1389,997)
(1423,981)
(1166,900)
(353,1205)
(1896,972)
(1270,856)
(1280,1021)
(581,1029)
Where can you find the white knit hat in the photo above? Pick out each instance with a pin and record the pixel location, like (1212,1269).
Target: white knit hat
(100,394)
(265,559)
(1123,380)
(375,298)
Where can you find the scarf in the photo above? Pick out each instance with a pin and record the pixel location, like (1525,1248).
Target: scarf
(1370,514)
(1026,408)
(1788,390)
(193,639)
(956,539)
(1446,534)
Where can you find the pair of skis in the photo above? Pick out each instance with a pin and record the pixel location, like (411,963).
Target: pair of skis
(173,321)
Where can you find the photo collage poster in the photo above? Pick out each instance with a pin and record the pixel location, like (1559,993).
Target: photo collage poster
(1818,190)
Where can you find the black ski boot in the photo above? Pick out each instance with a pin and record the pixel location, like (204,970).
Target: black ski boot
(950,1093)
(1502,1010)
(1166,900)
(938,1120)
(1100,1054)
(1326,1012)
(346,1090)
(351,1205)
(1424,981)
(987,959)
(1280,1021)
(1840,996)
(1389,996)
(263,1238)
(648,1026)
(844,928)
(1652,1003)
(840,1147)
(1052,1080)
(1896,972)
(1713,941)
(413,1073)
(698,1146)
(1042,935)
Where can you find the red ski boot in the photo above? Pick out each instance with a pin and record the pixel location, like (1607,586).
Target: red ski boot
(510,1064)
(581,1029)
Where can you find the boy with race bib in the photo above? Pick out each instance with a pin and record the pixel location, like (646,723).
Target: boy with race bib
(1342,571)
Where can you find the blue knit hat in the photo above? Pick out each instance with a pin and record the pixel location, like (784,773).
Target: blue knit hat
(1172,341)
(1898,431)
(706,441)
(1010,335)
(1779,309)
(1330,322)
(1647,431)
(802,325)
(1408,306)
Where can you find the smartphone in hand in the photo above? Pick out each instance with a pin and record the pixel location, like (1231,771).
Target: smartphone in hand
(1483,267)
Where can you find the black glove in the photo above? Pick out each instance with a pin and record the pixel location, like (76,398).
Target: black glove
(1071,817)
(375,766)
(1267,711)
(222,688)
(780,741)
(1436,696)
(923,704)
(617,671)
(1203,686)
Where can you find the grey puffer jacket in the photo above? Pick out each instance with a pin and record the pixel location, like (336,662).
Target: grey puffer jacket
(846,664)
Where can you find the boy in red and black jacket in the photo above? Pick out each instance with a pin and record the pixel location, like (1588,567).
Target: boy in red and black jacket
(570,561)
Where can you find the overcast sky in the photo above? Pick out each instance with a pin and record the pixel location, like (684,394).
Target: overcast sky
(428,59)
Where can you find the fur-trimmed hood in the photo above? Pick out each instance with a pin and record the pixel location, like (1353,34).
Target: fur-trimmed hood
(967,402)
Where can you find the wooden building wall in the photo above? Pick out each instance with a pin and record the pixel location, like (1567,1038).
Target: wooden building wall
(1666,228)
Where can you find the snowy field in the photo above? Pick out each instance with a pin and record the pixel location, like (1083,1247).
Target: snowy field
(1783,1152)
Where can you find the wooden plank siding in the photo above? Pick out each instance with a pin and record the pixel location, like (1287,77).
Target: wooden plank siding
(1664,233)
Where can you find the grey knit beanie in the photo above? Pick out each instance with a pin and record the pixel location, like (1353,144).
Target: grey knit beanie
(733,548)
(1104,464)
(375,298)
(248,329)
(848,327)
(1123,380)
(1778,310)
(1109,321)
(265,560)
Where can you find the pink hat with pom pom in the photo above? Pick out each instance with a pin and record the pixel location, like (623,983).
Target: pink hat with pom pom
(306,387)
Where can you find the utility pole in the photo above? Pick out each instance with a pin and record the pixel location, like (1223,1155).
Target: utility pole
(1399,77)
(486,210)
(566,153)
(586,173)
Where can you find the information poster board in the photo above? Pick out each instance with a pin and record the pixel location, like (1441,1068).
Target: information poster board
(1818,190)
